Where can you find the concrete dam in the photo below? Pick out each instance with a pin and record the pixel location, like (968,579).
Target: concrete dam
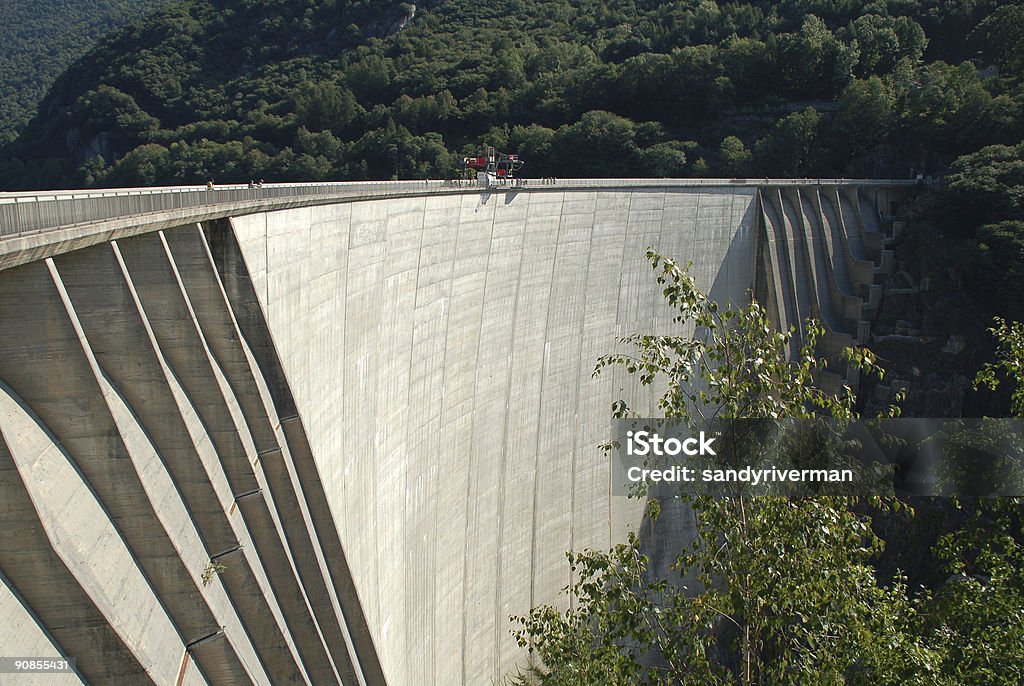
(339,433)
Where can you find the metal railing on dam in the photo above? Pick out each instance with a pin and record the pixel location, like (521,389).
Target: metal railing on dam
(25,212)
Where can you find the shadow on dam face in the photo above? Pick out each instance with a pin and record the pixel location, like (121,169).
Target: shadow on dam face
(338,443)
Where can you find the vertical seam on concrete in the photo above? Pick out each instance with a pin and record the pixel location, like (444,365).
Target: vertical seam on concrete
(265,216)
(376,563)
(696,228)
(469,487)
(500,505)
(735,228)
(658,298)
(622,264)
(754,206)
(504,443)
(540,407)
(473,465)
(344,402)
(412,351)
(576,402)
(444,357)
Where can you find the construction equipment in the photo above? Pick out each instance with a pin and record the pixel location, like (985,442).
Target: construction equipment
(494,167)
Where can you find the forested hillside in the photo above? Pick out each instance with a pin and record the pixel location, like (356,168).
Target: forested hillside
(332,89)
(40,38)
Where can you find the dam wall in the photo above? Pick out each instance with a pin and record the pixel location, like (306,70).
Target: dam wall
(341,441)
(440,352)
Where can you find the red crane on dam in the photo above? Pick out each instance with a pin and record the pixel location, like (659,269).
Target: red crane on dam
(493,166)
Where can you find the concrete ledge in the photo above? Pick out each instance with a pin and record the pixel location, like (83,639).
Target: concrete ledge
(24,247)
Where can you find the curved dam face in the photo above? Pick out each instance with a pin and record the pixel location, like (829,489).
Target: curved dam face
(440,352)
(342,443)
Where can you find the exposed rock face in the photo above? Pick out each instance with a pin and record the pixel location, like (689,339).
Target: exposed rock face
(99,145)
(393,21)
